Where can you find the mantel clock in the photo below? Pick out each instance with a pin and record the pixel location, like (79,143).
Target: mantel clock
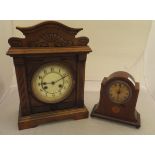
(50,71)
(118,98)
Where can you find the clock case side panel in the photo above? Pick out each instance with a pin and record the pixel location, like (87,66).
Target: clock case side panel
(21,76)
(81,61)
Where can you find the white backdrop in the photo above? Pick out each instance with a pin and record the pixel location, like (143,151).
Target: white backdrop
(149,63)
(6,67)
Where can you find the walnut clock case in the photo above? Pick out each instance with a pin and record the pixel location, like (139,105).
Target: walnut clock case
(118,98)
(50,71)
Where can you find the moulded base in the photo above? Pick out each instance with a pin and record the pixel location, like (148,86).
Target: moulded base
(31,121)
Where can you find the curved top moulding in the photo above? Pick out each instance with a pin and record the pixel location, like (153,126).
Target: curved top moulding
(49,25)
(48,34)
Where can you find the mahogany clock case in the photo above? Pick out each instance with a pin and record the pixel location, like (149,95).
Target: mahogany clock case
(124,113)
(45,43)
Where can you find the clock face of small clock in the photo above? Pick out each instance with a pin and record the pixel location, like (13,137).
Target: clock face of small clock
(119,92)
(52,83)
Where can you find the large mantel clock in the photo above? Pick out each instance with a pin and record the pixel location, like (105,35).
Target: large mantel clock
(50,70)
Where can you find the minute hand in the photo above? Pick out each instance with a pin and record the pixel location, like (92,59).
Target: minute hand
(60,79)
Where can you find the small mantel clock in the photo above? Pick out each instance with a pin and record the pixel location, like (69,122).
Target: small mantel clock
(118,98)
(50,71)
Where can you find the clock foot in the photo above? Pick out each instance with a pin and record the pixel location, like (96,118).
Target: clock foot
(22,125)
(33,120)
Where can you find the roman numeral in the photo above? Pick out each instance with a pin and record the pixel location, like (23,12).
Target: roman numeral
(52,69)
(45,71)
(40,77)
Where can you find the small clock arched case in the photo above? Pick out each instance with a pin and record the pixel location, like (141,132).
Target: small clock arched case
(50,70)
(118,97)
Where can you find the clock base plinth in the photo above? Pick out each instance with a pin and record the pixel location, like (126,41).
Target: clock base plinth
(136,124)
(31,121)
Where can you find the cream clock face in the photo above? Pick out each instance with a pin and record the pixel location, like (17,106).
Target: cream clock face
(119,92)
(52,83)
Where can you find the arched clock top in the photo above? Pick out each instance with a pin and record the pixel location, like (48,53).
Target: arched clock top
(121,74)
(48,34)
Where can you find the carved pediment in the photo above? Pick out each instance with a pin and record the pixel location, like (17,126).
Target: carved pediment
(48,34)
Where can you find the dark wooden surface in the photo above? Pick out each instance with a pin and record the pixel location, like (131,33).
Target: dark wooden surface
(46,43)
(125,113)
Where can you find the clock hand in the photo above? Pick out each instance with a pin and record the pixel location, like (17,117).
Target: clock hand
(60,79)
(53,82)
(117,96)
(44,83)
(118,92)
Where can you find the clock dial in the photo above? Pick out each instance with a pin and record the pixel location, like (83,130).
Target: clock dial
(119,92)
(52,83)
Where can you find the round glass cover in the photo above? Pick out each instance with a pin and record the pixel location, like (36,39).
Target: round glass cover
(52,83)
(119,92)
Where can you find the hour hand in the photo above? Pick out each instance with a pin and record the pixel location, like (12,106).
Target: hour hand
(45,83)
